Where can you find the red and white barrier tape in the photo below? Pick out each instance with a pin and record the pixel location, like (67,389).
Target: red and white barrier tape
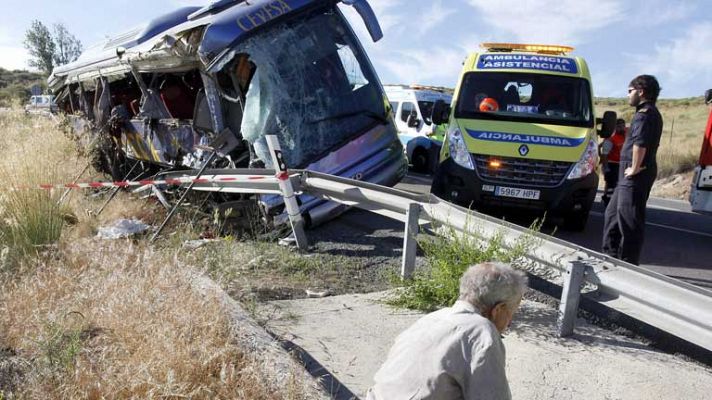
(169,182)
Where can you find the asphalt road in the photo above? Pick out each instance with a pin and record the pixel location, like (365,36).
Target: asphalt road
(678,243)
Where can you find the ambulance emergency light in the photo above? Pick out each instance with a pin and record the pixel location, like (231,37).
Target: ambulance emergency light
(536,48)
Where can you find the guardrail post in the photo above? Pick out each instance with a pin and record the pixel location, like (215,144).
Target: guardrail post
(570,299)
(285,185)
(409,240)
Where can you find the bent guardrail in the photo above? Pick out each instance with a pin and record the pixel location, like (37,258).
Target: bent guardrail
(670,305)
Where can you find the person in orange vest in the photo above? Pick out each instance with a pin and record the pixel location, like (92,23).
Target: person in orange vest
(611,159)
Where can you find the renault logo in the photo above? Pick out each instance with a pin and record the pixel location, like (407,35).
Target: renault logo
(523,150)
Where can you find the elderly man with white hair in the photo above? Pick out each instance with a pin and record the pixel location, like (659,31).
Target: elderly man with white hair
(456,352)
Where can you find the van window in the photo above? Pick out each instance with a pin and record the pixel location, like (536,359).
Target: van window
(394,107)
(426,110)
(407,109)
(525,97)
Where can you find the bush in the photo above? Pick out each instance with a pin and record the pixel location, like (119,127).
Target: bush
(671,162)
(449,255)
(29,220)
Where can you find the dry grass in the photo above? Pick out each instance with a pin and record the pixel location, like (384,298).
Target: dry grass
(30,219)
(684,123)
(83,318)
(117,320)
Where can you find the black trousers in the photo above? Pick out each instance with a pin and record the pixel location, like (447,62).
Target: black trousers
(610,177)
(624,224)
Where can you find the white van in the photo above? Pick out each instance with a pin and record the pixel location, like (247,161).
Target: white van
(41,103)
(412,108)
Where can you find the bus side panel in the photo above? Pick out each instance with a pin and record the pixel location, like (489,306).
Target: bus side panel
(162,142)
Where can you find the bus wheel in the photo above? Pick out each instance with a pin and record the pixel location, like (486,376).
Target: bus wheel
(420,160)
(575,221)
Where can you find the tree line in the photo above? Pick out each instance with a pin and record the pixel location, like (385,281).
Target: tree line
(48,48)
(51,48)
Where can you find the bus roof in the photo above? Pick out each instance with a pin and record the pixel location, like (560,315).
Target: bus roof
(223,26)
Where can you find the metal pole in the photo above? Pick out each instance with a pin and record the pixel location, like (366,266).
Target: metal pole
(180,201)
(409,240)
(285,185)
(66,192)
(115,191)
(570,299)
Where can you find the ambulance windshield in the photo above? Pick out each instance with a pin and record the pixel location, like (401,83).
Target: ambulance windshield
(524,97)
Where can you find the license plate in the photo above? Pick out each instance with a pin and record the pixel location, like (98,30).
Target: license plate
(518,193)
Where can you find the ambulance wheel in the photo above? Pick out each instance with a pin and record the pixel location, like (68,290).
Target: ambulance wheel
(420,160)
(575,221)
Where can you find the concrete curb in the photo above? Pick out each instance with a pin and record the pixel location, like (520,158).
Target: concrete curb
(278,367)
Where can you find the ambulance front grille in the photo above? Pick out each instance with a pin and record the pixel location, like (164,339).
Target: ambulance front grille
(521,171)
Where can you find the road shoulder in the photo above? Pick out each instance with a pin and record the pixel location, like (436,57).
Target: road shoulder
(350,336)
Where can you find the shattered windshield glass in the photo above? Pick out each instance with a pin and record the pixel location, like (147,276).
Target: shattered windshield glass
(525,97)
(312,86)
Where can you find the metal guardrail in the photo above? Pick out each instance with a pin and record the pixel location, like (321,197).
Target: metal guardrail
(673,306)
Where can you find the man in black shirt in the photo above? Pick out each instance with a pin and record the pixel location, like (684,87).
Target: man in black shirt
(624,225)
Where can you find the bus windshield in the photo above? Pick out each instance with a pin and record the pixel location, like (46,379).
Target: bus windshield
(310,84)
(524,97)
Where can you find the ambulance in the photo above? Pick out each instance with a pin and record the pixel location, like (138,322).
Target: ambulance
(701,190)
(412,107)
(522,133)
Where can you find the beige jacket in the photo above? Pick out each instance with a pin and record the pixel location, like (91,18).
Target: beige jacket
(453,353)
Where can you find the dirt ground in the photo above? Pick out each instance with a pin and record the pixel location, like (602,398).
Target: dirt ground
(673,187)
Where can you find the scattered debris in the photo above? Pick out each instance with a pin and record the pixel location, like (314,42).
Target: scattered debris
(196,244)
(288,241)
(318,294)
(122,228)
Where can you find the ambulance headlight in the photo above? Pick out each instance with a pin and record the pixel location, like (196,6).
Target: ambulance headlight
(458,149)
(587,163)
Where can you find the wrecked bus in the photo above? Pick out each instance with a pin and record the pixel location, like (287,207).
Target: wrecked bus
(224,76)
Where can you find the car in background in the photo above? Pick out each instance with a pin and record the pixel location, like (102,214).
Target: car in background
(41,103)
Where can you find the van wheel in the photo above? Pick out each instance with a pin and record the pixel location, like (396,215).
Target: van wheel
(420,160)
(575,221)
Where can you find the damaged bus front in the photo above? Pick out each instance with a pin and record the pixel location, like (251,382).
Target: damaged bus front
(225,76)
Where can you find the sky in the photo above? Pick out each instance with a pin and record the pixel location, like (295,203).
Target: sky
(426,41)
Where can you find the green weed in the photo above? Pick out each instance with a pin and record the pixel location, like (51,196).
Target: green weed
(61,346)
(449,254)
